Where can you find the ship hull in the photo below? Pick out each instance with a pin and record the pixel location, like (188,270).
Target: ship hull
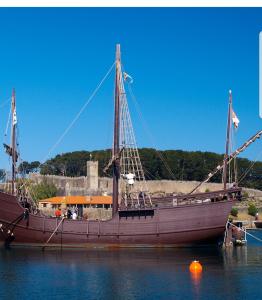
(171,226)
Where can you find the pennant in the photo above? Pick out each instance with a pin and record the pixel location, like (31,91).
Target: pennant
(128,77)
(235,119)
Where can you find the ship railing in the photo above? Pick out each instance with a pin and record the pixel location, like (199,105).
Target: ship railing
(200,198)
(173,200)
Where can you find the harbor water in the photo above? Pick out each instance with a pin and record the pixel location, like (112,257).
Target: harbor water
(233,273)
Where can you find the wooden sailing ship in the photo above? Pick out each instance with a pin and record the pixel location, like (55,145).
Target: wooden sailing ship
(138,219)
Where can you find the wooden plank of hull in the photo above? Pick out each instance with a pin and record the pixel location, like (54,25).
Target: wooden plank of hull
(169,226)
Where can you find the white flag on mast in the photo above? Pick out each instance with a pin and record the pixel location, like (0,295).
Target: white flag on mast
(127,77)
(235,119)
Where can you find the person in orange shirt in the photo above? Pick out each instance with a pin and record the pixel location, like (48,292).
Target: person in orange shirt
(58,213)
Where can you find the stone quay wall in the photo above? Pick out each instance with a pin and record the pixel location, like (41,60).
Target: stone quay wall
(81,186)
(72,185)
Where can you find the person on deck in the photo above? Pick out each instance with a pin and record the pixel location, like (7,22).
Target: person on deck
(58,213)
(74,215)
(69,213)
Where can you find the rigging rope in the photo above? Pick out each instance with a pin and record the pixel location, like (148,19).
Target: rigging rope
(5,102)
(76,117)
(148,131)
(230,158)
(8,121)
(149,174)
(130,160)
(31,193)
(245,231)
(78,114)
(251,166)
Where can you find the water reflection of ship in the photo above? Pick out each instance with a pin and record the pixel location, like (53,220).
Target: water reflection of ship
(235,256)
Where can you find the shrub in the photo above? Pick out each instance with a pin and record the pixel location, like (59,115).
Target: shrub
(43,190)
(252,209)
(207,190)
(234,212)
(245,195)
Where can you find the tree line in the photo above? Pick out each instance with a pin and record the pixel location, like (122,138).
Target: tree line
(157,164)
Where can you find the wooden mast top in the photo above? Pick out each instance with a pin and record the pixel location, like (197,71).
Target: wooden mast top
(116,163)
(227,140)
(13,141)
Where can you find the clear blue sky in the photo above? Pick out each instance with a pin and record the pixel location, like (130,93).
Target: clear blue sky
(183,62)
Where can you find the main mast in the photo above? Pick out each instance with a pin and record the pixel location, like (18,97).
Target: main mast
(116,162)
(13,141)
(227,140)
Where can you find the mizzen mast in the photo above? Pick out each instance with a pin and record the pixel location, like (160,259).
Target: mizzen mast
(116,162)
(13,141)
(227,140)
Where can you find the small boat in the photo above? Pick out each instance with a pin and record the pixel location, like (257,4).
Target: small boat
(138,219)
(235,234)
(258,224)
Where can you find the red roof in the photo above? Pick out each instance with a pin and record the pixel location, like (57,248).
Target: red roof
(73,200)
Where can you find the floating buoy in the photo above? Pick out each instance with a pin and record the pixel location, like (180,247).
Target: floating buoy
(195,267)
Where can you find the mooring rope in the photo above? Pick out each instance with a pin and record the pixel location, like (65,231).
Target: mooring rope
(43,248)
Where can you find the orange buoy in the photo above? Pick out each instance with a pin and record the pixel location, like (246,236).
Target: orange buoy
(195,267)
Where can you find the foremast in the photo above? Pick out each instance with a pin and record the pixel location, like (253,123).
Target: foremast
(11,149)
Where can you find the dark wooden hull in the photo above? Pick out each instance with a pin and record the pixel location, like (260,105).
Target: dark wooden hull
(170,226)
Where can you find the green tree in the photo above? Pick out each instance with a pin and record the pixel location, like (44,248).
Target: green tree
(25,167)
(182,165)
(43,190)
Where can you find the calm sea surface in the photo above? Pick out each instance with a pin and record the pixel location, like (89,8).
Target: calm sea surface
(132,273)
